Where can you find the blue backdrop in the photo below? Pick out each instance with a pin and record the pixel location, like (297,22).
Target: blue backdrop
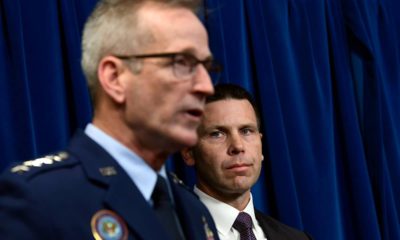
(326,74)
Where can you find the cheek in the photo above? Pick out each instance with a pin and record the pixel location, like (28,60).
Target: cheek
(210,158)
(208,172)
(209,163)
(257,158)
(257,149)
(169,102)
(157,105)
(257,170)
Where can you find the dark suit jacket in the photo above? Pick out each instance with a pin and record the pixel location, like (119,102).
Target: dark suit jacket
(275,230)
(55,197)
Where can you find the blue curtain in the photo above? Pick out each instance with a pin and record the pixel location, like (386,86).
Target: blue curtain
(43,92)
(325,73)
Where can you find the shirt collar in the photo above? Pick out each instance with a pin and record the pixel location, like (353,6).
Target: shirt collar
(224,215)
(137,169)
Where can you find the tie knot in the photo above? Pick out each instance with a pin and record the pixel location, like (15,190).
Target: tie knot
(243,222)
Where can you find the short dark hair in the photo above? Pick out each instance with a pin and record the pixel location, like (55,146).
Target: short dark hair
(226,91)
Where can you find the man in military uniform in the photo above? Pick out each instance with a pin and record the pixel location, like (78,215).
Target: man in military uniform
(146,64)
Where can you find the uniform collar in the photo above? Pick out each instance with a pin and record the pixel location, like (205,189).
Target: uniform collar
(136,168)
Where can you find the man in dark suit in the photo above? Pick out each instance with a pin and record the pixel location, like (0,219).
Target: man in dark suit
(146,64)
(227,160)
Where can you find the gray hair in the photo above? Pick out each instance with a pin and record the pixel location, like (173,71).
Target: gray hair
(113,28)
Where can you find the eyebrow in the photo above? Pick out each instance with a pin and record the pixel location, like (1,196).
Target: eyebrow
(192,51)
(224,127)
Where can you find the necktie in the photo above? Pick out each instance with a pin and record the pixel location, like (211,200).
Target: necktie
(165,210)
(243,224)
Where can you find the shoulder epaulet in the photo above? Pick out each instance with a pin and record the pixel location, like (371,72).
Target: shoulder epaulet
(39,162)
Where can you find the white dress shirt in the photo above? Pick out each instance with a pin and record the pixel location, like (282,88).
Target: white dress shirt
(224,216)
(138,170)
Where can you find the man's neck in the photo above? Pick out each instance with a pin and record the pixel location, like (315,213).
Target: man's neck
(155,159)
(236,200)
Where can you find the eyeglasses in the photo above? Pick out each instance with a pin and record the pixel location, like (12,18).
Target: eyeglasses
(184,65)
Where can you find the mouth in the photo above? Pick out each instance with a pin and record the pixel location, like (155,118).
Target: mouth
(195,114)
(242,167)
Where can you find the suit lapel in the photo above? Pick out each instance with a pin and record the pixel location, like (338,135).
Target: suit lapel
(275,230)
(268,228)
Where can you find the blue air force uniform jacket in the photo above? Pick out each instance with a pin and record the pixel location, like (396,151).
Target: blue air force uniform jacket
(84,194)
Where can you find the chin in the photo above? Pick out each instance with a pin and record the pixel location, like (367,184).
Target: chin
(179,138)
(187,138)
(189,141)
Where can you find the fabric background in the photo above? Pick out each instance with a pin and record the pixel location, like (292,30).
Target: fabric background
(326,74)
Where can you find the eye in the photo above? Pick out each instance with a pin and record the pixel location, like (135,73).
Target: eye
(247,131)
(216,134)
(183,60)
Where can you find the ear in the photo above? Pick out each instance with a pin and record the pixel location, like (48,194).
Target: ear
(262,156)
(187,155)
(110,74)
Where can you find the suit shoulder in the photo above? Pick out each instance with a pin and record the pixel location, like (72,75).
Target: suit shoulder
(280,227)
(36,167)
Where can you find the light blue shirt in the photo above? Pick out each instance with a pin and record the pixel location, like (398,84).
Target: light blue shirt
(142,175)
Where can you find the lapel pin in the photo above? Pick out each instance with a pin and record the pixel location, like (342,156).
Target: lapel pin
(108,171)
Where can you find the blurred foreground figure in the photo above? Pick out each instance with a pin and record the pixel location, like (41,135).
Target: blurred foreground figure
(146,65)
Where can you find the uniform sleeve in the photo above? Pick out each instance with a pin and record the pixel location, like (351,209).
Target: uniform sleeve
(21,216)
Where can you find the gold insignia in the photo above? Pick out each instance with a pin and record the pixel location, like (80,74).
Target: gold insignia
(207,230)
(46,160)
(63,155)
(108,171)
(38,162)
(57,158)
(20,169)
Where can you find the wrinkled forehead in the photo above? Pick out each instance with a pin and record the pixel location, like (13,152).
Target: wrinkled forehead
(228,113)
(174,29)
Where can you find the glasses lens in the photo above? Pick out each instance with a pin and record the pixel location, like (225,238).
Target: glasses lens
(212,66)
(214,70)
(183,66)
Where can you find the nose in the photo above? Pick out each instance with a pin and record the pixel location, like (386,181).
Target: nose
(203,84)
(235,145)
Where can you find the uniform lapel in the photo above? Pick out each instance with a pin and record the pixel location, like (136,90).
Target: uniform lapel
(126,200)
(122,196)
(194,224)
